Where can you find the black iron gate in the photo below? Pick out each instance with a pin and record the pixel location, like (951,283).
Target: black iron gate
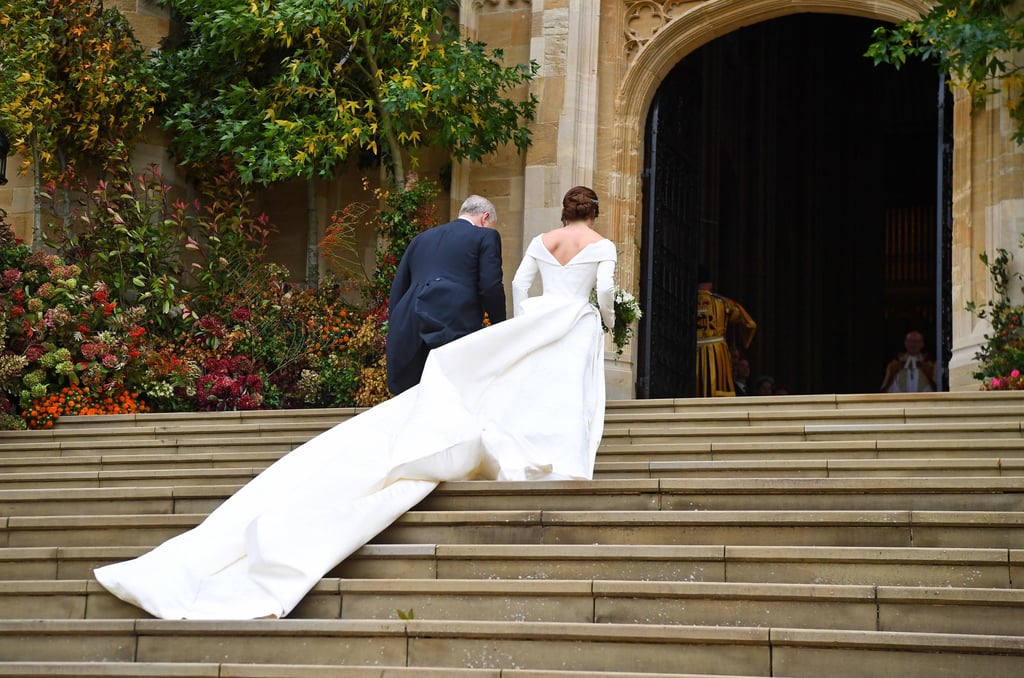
(668,285)
(944,235)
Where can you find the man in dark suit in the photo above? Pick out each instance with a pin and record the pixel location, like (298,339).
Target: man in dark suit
(448,278)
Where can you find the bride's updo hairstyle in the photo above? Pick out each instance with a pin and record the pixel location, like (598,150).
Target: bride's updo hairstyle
(579,204)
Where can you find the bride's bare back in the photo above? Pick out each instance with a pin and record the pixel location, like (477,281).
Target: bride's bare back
(566,242)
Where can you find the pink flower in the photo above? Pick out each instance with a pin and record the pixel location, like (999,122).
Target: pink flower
(996,383)
(11,277)
(1015,373)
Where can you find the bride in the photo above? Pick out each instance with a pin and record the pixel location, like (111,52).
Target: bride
(522,399)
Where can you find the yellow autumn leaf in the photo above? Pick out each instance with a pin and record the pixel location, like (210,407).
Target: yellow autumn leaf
(24,77)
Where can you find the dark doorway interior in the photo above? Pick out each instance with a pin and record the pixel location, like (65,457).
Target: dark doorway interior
(804,179)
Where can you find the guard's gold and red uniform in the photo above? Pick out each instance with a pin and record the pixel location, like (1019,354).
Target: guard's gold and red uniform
(714,361)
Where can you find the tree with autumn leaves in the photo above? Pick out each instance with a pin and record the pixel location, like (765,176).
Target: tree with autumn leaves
(296,89)
(78,88)
(293,89)
(283,89)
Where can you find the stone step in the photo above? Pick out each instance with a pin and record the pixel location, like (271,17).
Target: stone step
(884,566)
(160,470)
(532,645)
(169,495)
(157,478)
(625,430)
(823,402)
(914,405)
(112,446)
(116,455)
(983,529)
(983,611)
(256,457)
(681,433)
(861,415)
(882,448)
(229,670)
(734,493)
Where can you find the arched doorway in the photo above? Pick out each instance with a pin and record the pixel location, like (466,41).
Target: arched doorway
(804,179)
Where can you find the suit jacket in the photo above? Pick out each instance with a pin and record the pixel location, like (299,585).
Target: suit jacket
(448,277)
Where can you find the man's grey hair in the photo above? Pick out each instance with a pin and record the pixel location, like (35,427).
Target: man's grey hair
(477,205)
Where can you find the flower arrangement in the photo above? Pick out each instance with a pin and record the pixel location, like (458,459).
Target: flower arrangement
(1013,382)
(44,411)
(627,312)
(1001,357)
(57,330)
(235,334)
(229,384)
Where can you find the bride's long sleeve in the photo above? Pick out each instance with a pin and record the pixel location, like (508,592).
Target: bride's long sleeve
(606,291)
(525,275)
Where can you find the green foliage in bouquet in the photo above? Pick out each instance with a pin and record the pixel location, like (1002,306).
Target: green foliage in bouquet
(627,313)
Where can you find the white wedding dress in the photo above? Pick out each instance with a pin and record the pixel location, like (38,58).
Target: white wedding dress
(521,400)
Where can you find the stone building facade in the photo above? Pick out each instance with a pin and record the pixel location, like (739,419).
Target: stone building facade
(601,64)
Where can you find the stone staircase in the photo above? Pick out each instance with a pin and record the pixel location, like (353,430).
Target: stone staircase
(825,536)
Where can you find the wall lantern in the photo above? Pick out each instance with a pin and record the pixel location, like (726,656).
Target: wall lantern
(5,148)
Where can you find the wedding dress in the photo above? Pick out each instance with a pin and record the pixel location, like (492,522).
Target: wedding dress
(523,399)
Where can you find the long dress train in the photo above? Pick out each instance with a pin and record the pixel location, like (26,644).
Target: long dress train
(520,400)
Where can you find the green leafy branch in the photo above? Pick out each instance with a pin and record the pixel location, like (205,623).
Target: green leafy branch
(978,42)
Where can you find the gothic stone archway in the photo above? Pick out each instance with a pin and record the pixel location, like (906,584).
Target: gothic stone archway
(658,36)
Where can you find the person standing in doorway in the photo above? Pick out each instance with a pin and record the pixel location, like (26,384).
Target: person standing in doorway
(912,371)
(715,314)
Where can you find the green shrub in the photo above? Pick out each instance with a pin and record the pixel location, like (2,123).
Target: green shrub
(1002,354)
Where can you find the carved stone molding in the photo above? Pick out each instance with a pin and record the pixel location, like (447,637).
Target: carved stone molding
(644,18)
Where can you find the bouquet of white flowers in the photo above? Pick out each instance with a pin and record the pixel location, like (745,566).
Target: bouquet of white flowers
(627,312)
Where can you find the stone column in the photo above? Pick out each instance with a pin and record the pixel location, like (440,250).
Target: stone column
(988,214)
(565,44)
